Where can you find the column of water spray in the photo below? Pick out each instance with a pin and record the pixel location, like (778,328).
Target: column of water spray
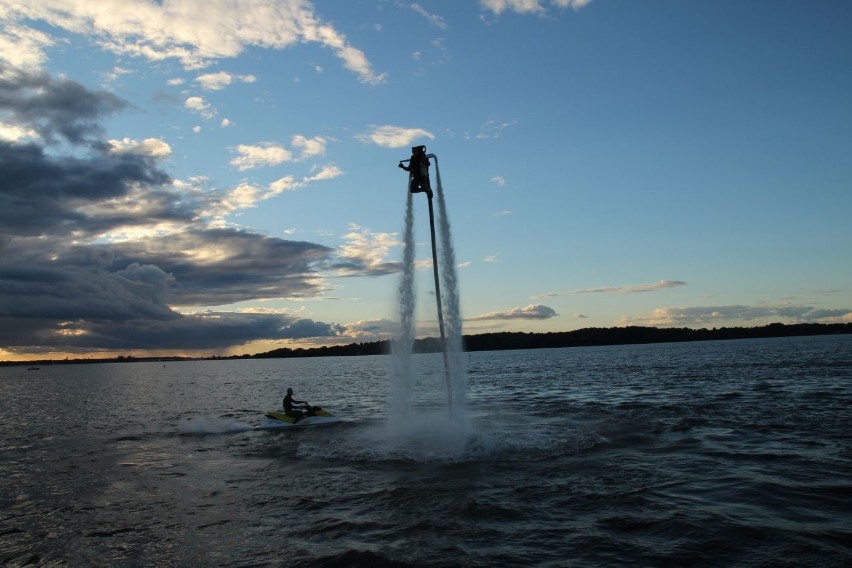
(452,312)
(402,347)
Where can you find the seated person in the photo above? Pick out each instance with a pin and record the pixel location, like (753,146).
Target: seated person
(289,410)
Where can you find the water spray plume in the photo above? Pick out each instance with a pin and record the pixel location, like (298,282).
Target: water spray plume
(444,271)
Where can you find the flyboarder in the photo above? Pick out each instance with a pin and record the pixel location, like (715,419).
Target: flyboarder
(418,171)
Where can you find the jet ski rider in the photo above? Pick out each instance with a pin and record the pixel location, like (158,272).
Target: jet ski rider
(289,401)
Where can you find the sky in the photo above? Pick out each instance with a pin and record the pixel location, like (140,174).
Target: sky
(180,177)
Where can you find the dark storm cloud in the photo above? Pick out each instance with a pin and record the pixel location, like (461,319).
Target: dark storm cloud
(349,266)
(65,286)
(222,266)
(68,292)
(55,107)
(210,330)
(43,194)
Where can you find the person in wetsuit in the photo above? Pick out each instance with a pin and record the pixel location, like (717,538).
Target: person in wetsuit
(289,410)
(418,170)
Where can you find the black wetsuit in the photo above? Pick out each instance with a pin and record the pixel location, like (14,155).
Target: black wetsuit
(418,167)
(288,404)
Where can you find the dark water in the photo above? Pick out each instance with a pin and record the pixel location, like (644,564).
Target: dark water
(711,454)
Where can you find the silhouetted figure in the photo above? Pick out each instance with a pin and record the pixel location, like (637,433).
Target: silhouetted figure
(289,401)
(418,171)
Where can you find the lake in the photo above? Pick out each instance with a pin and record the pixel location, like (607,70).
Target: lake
(722,453)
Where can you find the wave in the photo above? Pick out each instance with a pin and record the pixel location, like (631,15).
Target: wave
(202,426)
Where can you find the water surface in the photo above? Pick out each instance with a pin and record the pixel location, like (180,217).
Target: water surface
(715,454)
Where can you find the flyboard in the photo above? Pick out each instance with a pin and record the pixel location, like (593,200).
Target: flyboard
(315,417)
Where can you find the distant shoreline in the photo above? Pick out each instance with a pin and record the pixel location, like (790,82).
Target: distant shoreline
(503,341)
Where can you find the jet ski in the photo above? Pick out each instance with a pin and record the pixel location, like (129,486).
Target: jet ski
(315,416)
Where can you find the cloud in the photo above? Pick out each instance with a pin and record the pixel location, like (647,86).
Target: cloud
(725,315)
(221,79)
(204,331)
(530,312)
(364,253)
(101,249)
(529,6)
(158,31)
(433,19)
(499,180)
(23,47)
(493,129)
(575,4)
(271,154)
(388,136)
(636,288)
(55,108)
(325,172)
(247,195)
(152,147)
(632,289)
(44,195)
(309,147)
(14,133)
(251,157)
(200,106)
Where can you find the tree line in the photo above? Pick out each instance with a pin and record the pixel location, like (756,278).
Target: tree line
(587,337)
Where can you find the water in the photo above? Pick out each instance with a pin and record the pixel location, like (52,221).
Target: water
(449,320)
(713,454)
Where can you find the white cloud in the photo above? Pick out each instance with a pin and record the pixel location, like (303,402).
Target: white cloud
(153,147)
(21,46)
(115,73)
(493,129)
(491,258)
(366,249)
(575,4)
(177,81)
(14,133)
(309,147)
(631,289)
(195,32)
(530,312)
(202,107)
(325,172)
(499,180)
(284,184)
(388,136)
(529,6)
(220,80)
(433,19)
(259,156)
(270,154)
(736,314)
(635,288)
(225,123)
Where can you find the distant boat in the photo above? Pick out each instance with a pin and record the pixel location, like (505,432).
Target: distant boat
(32,368)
